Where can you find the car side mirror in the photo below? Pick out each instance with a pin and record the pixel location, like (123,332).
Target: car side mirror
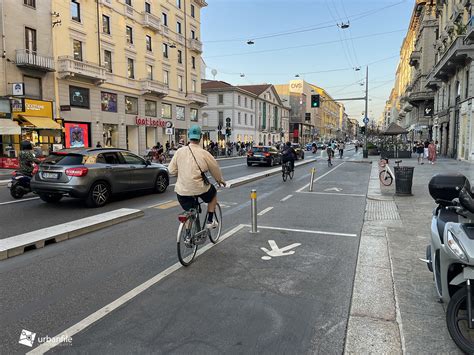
(147,162)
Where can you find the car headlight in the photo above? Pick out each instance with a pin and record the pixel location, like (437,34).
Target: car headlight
(455,247)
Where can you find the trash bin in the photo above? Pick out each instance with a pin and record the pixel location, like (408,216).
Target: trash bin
(403,180)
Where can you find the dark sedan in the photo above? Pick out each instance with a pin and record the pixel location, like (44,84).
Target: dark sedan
(299,151)
(263,155)
(94,174)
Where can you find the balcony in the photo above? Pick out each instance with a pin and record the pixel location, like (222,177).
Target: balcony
(68,67)
(154,87)
(165,31)
(107,3)
(128,11)
(179,38)
(455,56)
(420,91)
(197,98)
(151,21)
(27,59)
(415,58)
(195,45)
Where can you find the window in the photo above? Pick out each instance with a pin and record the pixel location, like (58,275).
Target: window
(164,18)
(458,89)
(132,159)
(193,85)
(467,84)
(193,14)
(129,35)
(106,24)
(147,7)
(245,119)
(131,105)
(148,43)
(108,101)
(165,110)
(449,95)
(31,3)
(130,68)
(78,97)
(30,40)
(180,82)
(251,103)
(166,77)
(108,60)
(193,62)
(245,101)
(194,114)
(178,4)
(180,113)
(238,119)
(220,99)
(128,2)
(75,11)
(251,120)
(238,100)
(77,49)
(178,27)
(180,56)
(150,108)
(193,34)
(32,87)
(220,116)
(165,50)
(149,72)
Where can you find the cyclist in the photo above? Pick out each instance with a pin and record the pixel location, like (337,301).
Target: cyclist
(288,154)
(189,164)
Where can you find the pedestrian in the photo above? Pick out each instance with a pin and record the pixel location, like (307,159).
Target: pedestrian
(167,145)
(330,153)
(425,149)
(420,150)
(432,152)
(98,145)
(341,149)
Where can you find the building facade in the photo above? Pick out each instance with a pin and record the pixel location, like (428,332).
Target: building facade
(127,71)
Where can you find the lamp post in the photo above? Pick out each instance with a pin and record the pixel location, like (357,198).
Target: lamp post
(366,119)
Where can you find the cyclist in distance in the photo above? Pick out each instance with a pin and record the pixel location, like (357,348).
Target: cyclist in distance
(190,164)
(288,154)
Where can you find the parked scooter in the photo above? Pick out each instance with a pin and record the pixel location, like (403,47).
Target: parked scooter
(20,185)
(450,256)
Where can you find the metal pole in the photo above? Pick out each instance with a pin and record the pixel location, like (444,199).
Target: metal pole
(313,170)
(253,201)
(366,152)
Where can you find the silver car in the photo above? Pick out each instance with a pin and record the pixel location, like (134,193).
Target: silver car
(94,174)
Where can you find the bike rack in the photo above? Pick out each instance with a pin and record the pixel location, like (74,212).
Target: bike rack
(313,171)
(253,203)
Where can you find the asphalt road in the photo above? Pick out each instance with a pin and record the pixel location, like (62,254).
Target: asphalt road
(229,300)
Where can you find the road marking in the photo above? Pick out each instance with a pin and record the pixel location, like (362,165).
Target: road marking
(167,205)
(265,211)
(320,177)
(286,198)
(101,313)
(159,204)
(331,193)
(337,189)
(231,166)
(276,251)
(306,231)
(18,201)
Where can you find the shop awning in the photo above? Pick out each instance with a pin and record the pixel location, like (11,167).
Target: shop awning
(9,127)
(42,122)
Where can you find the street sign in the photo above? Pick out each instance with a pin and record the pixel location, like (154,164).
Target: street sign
(170,131)
(227,120)
(276,251)
(169,124)
(366,120)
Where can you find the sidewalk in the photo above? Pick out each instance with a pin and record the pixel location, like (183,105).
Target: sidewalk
(395,307)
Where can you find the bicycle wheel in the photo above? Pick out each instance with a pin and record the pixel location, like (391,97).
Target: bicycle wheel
(187,249)
(214,234)
(291,174)
(284,172)
(385,178)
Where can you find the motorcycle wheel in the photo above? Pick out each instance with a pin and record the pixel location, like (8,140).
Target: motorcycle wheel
(16,192)
(457,322)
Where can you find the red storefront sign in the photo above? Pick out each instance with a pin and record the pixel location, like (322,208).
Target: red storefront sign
(150,122)
(9,163)
(295,133)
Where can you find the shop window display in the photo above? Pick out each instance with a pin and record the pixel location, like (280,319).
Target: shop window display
(131,105)
(165,110)
(194,114)
(180,113)
(150,108)
(110,135)
(108,101)
(78,97)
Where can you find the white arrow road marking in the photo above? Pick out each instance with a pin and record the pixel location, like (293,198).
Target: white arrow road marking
(337,189)
(277,251)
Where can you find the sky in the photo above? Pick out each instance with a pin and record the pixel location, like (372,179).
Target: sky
(305,37)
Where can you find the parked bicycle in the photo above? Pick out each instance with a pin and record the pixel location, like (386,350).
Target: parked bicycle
(192,233)
(286,171)
(386,175)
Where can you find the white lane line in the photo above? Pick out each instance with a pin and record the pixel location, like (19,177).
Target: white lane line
(231,166)
(286,198)
(306,231)
(159,204)
(261,213)
(18,201)
(320,177)
(331,193)
(101,313)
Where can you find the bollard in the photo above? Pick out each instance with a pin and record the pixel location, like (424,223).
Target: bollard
(313,170)
(253,201)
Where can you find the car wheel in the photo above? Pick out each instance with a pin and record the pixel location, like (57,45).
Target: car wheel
(249,164)
(98,195)
(271,162)
(161,183)
(302,156)
(50,198)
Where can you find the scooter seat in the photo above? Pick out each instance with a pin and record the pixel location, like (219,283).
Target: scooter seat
(444,217)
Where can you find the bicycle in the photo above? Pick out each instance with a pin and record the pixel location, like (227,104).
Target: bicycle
(286,171)
(191,233)
(386,175)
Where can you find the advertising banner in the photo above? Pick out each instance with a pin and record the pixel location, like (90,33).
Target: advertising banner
(77,135)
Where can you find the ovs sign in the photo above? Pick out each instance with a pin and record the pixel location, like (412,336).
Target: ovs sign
(296,86)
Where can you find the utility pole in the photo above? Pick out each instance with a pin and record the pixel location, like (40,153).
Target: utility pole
(366,118)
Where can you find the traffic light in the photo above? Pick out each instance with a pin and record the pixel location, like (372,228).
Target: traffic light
(315,101)
(227,122)
(228,132)
(362,130)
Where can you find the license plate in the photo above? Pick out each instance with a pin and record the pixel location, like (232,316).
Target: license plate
(50,175)
(258,155)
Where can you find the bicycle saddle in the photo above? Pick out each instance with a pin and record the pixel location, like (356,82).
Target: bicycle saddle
(398,161)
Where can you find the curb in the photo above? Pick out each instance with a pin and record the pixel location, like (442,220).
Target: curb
(17,245)
(232,158)
(257,176)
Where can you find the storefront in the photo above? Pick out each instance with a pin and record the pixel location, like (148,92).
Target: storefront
(77,135)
